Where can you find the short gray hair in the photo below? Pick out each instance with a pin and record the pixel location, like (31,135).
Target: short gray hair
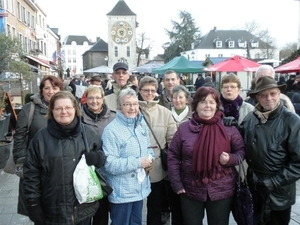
(264,68)
(181,88)
(125,92)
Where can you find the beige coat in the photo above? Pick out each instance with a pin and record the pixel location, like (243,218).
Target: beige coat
(164,127)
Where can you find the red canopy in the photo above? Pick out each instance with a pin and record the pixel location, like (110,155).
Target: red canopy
(235,64)
(293,66)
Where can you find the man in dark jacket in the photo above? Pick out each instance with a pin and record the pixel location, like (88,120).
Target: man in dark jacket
(271,134)
(121,76)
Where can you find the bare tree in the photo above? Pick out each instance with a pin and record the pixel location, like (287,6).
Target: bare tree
(268,46)
(287,50)
(143,47)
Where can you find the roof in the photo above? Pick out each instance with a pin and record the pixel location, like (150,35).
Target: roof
(79,39)
(208,40)
(121,9)
(213,60)
(100,46)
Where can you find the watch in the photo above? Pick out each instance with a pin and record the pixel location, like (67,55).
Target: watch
(121,32)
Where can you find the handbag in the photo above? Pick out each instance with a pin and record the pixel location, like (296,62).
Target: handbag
(86,184)
(106,188)
(242,209)
(163,151)
(10,166)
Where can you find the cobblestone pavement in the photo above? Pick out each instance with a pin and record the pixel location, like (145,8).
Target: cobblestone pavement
(9,185)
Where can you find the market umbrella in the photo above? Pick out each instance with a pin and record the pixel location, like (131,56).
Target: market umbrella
(179,64)
(99,69)
(293,66)
(235,64)
(147,68)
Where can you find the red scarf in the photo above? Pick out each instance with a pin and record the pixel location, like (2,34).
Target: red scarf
(211,142)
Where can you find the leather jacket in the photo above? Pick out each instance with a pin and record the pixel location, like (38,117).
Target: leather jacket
(273,155)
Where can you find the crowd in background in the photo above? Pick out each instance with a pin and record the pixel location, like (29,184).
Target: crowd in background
(129,119)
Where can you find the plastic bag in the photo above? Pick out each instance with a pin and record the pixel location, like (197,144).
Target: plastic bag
(86,183)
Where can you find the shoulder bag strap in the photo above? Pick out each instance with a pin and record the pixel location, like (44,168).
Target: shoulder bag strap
(151,130)
(86,145)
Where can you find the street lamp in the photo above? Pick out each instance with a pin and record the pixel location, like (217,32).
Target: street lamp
(106,60)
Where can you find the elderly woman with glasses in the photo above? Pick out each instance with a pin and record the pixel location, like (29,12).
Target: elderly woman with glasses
(97,115)
(52,157)
(201,161)
(232,103)
(163,126)
(181,111)
(127,146)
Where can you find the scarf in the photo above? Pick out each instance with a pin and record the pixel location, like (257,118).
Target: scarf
(231,107)
(92,115)
(261,114)
(179,117)
(211,142)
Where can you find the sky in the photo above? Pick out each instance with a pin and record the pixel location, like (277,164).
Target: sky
(88,17)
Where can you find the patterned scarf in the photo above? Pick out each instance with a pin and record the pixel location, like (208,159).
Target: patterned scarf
(211,142)
(261,114)
(231,107)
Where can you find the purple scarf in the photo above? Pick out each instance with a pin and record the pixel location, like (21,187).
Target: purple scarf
(231,107)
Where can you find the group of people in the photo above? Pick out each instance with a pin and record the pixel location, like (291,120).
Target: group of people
(129,125)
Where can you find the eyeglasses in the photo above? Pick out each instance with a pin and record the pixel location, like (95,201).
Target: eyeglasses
(67,108)
(207,102)
(148,91)
(272,94)
(128,105)
(231,87)
(90,98)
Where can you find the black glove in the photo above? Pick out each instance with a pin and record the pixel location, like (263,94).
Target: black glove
(35,211)
(94,158)
(230,121)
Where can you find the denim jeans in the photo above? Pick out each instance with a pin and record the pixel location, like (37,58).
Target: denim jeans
(126,213)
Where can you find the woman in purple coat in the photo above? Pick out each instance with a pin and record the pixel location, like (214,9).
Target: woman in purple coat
(201,161)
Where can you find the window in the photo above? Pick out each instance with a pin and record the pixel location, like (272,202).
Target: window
(28,18)
(29,45)
(25,45)
(45,49)
(128,51)
(74,60)
(69,52)
(220,55)
(23,14)
(254,44)
(74,52)
(219,44)
(207,55)
(8,29)
(231,44)
(14,32)
(116,51)
(19,11)
(69,60)
(32,24)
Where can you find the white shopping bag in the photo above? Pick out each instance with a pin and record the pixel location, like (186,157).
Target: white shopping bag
(86,183)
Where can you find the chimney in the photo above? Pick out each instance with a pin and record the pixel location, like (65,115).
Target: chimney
(215,28)
(97,39)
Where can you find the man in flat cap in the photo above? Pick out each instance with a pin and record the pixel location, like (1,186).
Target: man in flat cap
(271,134)
(120,76)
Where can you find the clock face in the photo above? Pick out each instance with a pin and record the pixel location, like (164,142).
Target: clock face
(121,32)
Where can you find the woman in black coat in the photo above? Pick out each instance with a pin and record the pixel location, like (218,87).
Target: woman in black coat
(51,160)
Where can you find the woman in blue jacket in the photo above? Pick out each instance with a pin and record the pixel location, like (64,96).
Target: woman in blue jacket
(126,144)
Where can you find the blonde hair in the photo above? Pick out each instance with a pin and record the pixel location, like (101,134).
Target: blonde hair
(94,89)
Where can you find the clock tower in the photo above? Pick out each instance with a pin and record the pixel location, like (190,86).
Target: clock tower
(121,35)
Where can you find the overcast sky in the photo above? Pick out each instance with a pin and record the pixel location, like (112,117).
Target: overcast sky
(88,17)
